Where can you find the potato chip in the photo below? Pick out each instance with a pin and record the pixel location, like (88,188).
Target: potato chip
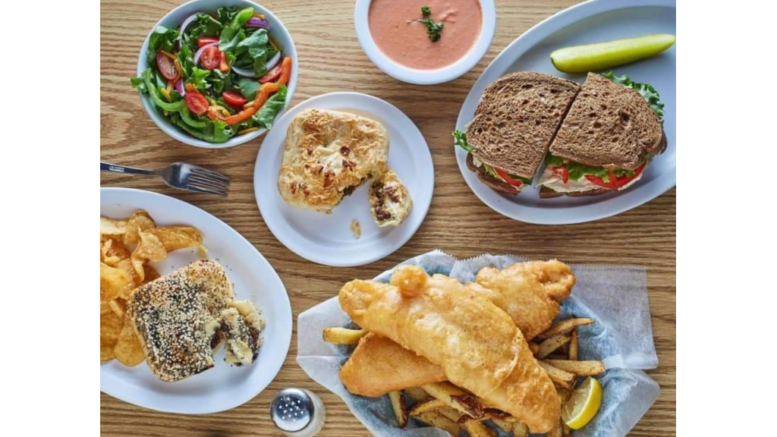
(150,274)
(113,282)
(106,350)
(118,306)
(128,349)
(149,249)
(112,251)
(112,227)
(139,222)
(110,328)
(105,307)
(177,237)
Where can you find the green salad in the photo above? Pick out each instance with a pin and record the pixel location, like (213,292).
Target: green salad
(218,75)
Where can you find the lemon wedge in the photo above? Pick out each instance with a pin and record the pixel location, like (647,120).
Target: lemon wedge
(583,405)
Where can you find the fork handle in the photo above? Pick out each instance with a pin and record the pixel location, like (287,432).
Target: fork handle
(104,166)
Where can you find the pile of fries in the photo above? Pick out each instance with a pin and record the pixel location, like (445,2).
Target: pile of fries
(453,409)
(122,271)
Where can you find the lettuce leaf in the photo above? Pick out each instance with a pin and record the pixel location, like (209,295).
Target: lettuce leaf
(644,89)
(460,139)
(161,38)
(271,108)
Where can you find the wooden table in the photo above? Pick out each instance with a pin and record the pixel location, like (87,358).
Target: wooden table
(331,60)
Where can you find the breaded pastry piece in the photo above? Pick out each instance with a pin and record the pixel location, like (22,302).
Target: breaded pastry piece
(327,155)
(530,292)
(477,345)
(177,317)
(379,365)
(390,202)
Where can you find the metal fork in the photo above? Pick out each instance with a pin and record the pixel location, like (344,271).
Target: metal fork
(182,176)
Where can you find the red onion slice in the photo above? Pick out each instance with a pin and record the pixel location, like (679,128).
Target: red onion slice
(179,87)
(256,22)
(202,49)
(185,24)
(244,72)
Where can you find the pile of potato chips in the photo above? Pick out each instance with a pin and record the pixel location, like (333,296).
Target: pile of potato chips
(122,271)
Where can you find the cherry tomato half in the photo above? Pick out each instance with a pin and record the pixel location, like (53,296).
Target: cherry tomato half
(273,74)
(166,66)
(205,40)
(211,58)
(234,98)
(196,103)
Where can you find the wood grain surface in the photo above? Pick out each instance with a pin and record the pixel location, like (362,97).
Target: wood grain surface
(331,60)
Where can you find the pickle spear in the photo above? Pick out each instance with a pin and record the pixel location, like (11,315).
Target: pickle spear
(604,55)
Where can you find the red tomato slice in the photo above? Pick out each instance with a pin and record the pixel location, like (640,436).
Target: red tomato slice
(272,74)
(503,174)
(211,58)
(205,40)
(615,182)
(234,98)
(196,103)
(166,66)
(562,172)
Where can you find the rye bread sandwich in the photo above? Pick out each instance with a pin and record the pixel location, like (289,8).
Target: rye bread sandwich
(515,123)
(607,139)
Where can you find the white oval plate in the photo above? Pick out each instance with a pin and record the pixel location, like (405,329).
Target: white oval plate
(327,238)
(594,21)
(222,387)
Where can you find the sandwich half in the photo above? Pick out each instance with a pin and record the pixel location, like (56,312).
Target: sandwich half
(607,139)
(515,122)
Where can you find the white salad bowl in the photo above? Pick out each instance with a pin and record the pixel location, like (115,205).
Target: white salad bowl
(173,20)
(425,77)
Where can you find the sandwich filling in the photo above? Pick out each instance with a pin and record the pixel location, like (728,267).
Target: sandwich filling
(495,172)
(565,176)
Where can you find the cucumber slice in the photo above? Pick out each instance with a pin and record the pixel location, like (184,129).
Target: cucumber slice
(604,55)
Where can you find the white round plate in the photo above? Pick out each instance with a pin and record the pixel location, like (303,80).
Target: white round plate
(593,21)
(327,238)
(222,387)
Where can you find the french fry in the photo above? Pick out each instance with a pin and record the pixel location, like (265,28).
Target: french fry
(534,347)
(550,345)
(450,413)
(503,424)
(437,420)
(579,368)
(573,352)
(520,430)
(477,429)
(417,394)
(560,377)
(398,405)
(423,407)
(564,327)
(456,398)
(343,336)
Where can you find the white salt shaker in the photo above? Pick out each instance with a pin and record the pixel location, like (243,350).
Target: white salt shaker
(298,412)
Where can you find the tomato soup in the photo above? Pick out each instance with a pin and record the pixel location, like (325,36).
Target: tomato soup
(402,31)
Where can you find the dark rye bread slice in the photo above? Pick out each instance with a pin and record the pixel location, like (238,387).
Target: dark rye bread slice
(489,180)
(547,193)
(609,125)
(516,119)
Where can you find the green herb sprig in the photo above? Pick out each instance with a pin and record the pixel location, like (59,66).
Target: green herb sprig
(433,30)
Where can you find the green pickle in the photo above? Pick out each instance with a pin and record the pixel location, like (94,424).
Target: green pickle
(604,55)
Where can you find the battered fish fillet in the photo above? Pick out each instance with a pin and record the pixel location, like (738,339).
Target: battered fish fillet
(477,345)
(379,365)
(528,292)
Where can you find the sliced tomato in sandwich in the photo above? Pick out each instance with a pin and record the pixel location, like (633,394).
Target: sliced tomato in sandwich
(504,175)
(615,182)
(561,172)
